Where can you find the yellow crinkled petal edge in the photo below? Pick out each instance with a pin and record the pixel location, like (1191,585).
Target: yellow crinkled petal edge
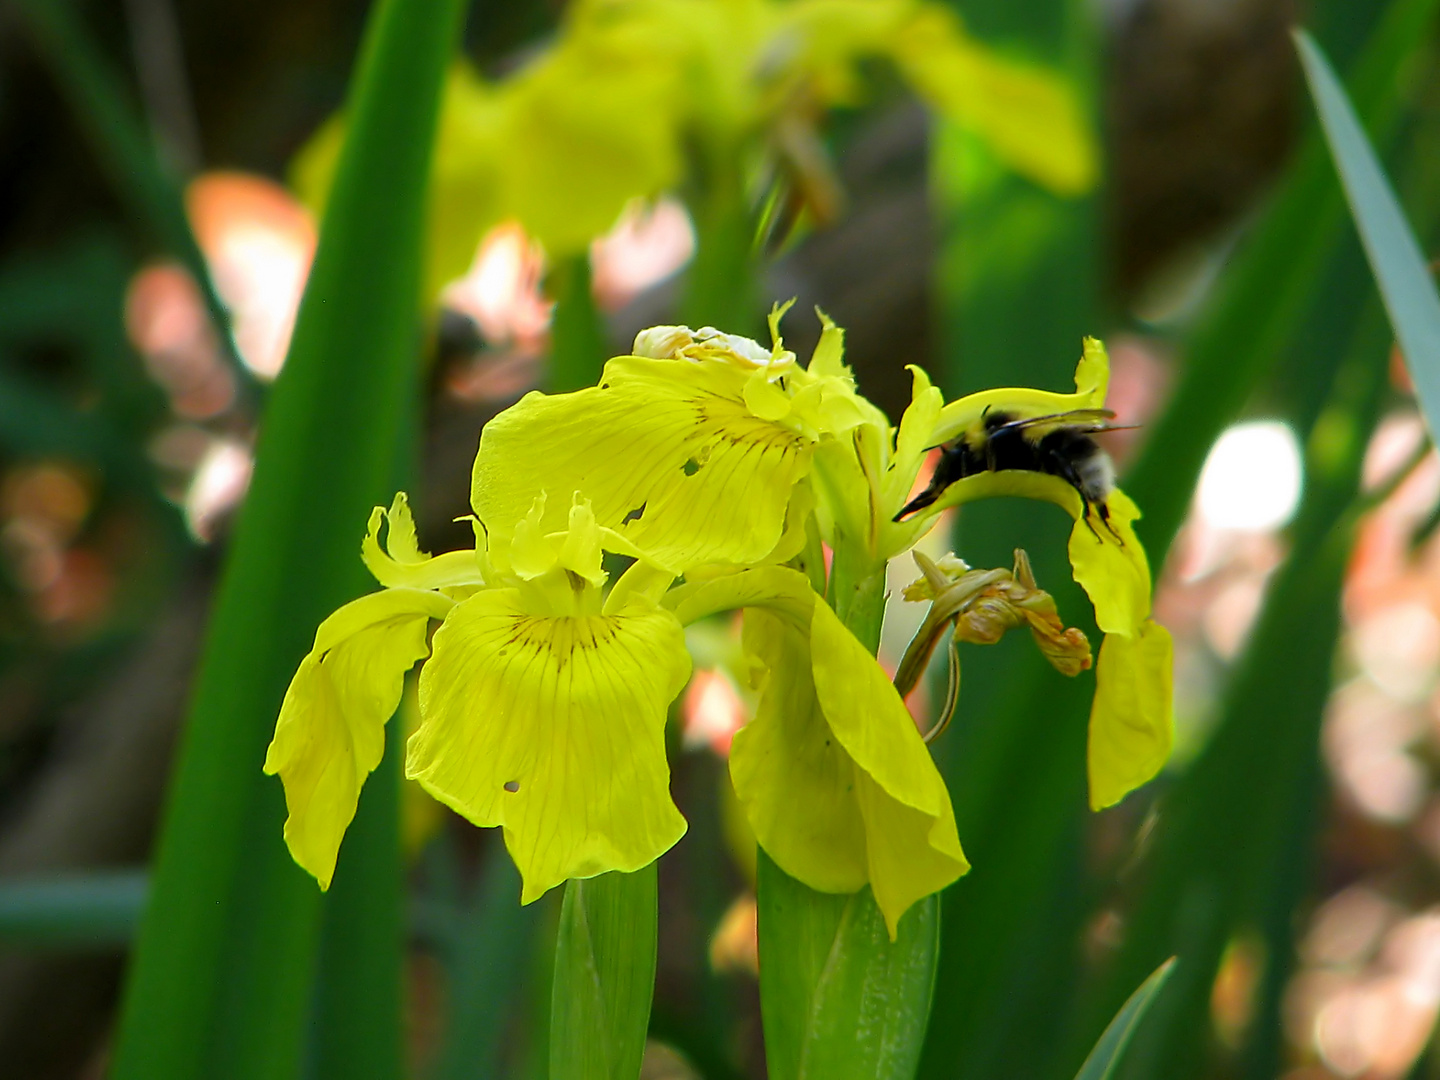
(401,563)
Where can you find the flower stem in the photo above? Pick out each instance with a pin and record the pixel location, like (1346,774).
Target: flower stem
(577,340)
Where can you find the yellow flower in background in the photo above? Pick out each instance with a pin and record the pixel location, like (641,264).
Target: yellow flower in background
(630,91)
(542,708)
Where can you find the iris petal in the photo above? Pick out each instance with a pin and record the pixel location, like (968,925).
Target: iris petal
(1131,721)
(912,844)
(667,451)
(331,731)
(1110,565)
(796,783)
(553,727)
(401,563)
(836,781)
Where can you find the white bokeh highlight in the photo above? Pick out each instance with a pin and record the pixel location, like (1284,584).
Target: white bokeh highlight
(1252,477)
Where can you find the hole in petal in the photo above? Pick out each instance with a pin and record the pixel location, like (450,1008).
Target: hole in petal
(635,515)
(512,786)
(691,467)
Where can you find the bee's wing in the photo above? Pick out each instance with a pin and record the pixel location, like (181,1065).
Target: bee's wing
(1086,420)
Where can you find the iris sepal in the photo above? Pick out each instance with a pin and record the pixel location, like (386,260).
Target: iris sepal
(835,780)
(331,732)
(553,728)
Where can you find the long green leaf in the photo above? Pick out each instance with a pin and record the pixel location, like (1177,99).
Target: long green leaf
(221,981)
(1108,1051)
(1406,284)
(840,1000)
(604,977)
(1265,292)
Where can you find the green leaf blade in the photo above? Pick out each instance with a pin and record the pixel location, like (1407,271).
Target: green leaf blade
(1101,1063)
(840,1000)
(604,976)
(1401,270)
(220,985)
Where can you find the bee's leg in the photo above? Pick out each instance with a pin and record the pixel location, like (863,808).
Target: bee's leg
(1060,466)
(1103,513)
(1065,470)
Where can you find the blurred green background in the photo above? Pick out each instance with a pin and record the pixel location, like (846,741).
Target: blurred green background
(1290,855)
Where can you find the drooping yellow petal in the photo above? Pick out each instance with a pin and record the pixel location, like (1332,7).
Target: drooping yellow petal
(794,779)
(1132,719)
(331,731)
(553,727)
(1110,565)
(667,451)
(912,846)
(835,779)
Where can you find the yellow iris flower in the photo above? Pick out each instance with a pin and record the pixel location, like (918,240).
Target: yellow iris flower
(710,448)
(542,706)
(629,89)
(713,458)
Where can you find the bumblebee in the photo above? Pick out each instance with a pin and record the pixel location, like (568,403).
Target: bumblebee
(1060,445)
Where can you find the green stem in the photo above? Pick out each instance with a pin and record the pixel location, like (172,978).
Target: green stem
(720,286)
(604,977)
(838,998)
(578,348)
